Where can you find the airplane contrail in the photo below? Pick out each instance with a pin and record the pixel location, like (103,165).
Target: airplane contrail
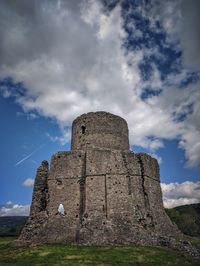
(28,156)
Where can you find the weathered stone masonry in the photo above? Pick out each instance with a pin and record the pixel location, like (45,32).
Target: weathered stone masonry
(110,194)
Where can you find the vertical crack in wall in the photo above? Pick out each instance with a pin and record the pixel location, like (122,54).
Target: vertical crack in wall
(106,206)
(147,219)
(82,181)
(146,199)
(128,173)
(129,184)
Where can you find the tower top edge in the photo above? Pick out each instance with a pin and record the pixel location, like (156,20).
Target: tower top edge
(99,114)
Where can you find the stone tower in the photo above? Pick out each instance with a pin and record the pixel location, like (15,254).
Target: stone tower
(108,194)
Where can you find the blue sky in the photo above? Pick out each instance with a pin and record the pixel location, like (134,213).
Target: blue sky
(137,59)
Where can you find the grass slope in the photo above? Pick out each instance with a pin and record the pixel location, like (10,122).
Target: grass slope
(187,218)
(59,254)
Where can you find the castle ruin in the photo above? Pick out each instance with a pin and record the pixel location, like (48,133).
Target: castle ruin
(98,193)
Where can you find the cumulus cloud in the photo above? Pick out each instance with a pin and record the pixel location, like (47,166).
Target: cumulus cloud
(176,194)
(71,58)
(13,209)
(29,182)
(180,19)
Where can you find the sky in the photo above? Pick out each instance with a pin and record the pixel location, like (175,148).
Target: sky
(138,59)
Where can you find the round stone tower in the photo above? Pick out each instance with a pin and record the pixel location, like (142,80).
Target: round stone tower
(99,130)
(108,194)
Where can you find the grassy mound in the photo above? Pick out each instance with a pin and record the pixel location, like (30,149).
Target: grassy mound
(59,254)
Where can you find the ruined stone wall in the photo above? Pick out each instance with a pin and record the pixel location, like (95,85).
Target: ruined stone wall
(38,214)
(109,194)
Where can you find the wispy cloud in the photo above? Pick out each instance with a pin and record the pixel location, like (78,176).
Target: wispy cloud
(29,155)
(91,62)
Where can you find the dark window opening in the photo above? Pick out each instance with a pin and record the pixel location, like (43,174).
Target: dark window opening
(83,129)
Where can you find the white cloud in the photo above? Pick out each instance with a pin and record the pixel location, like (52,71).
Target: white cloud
(171,203)
(63,139)
(176,101)
(12,209)
(29,182)
(169,14)
(190,142)
(176,194)
(69,56)
(181,21)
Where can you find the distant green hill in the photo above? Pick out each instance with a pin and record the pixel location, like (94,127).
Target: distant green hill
(187,218)
(12,225)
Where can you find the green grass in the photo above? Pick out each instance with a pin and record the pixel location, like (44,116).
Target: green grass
(60,254)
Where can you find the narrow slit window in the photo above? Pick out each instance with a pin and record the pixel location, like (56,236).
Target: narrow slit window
(83,129)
